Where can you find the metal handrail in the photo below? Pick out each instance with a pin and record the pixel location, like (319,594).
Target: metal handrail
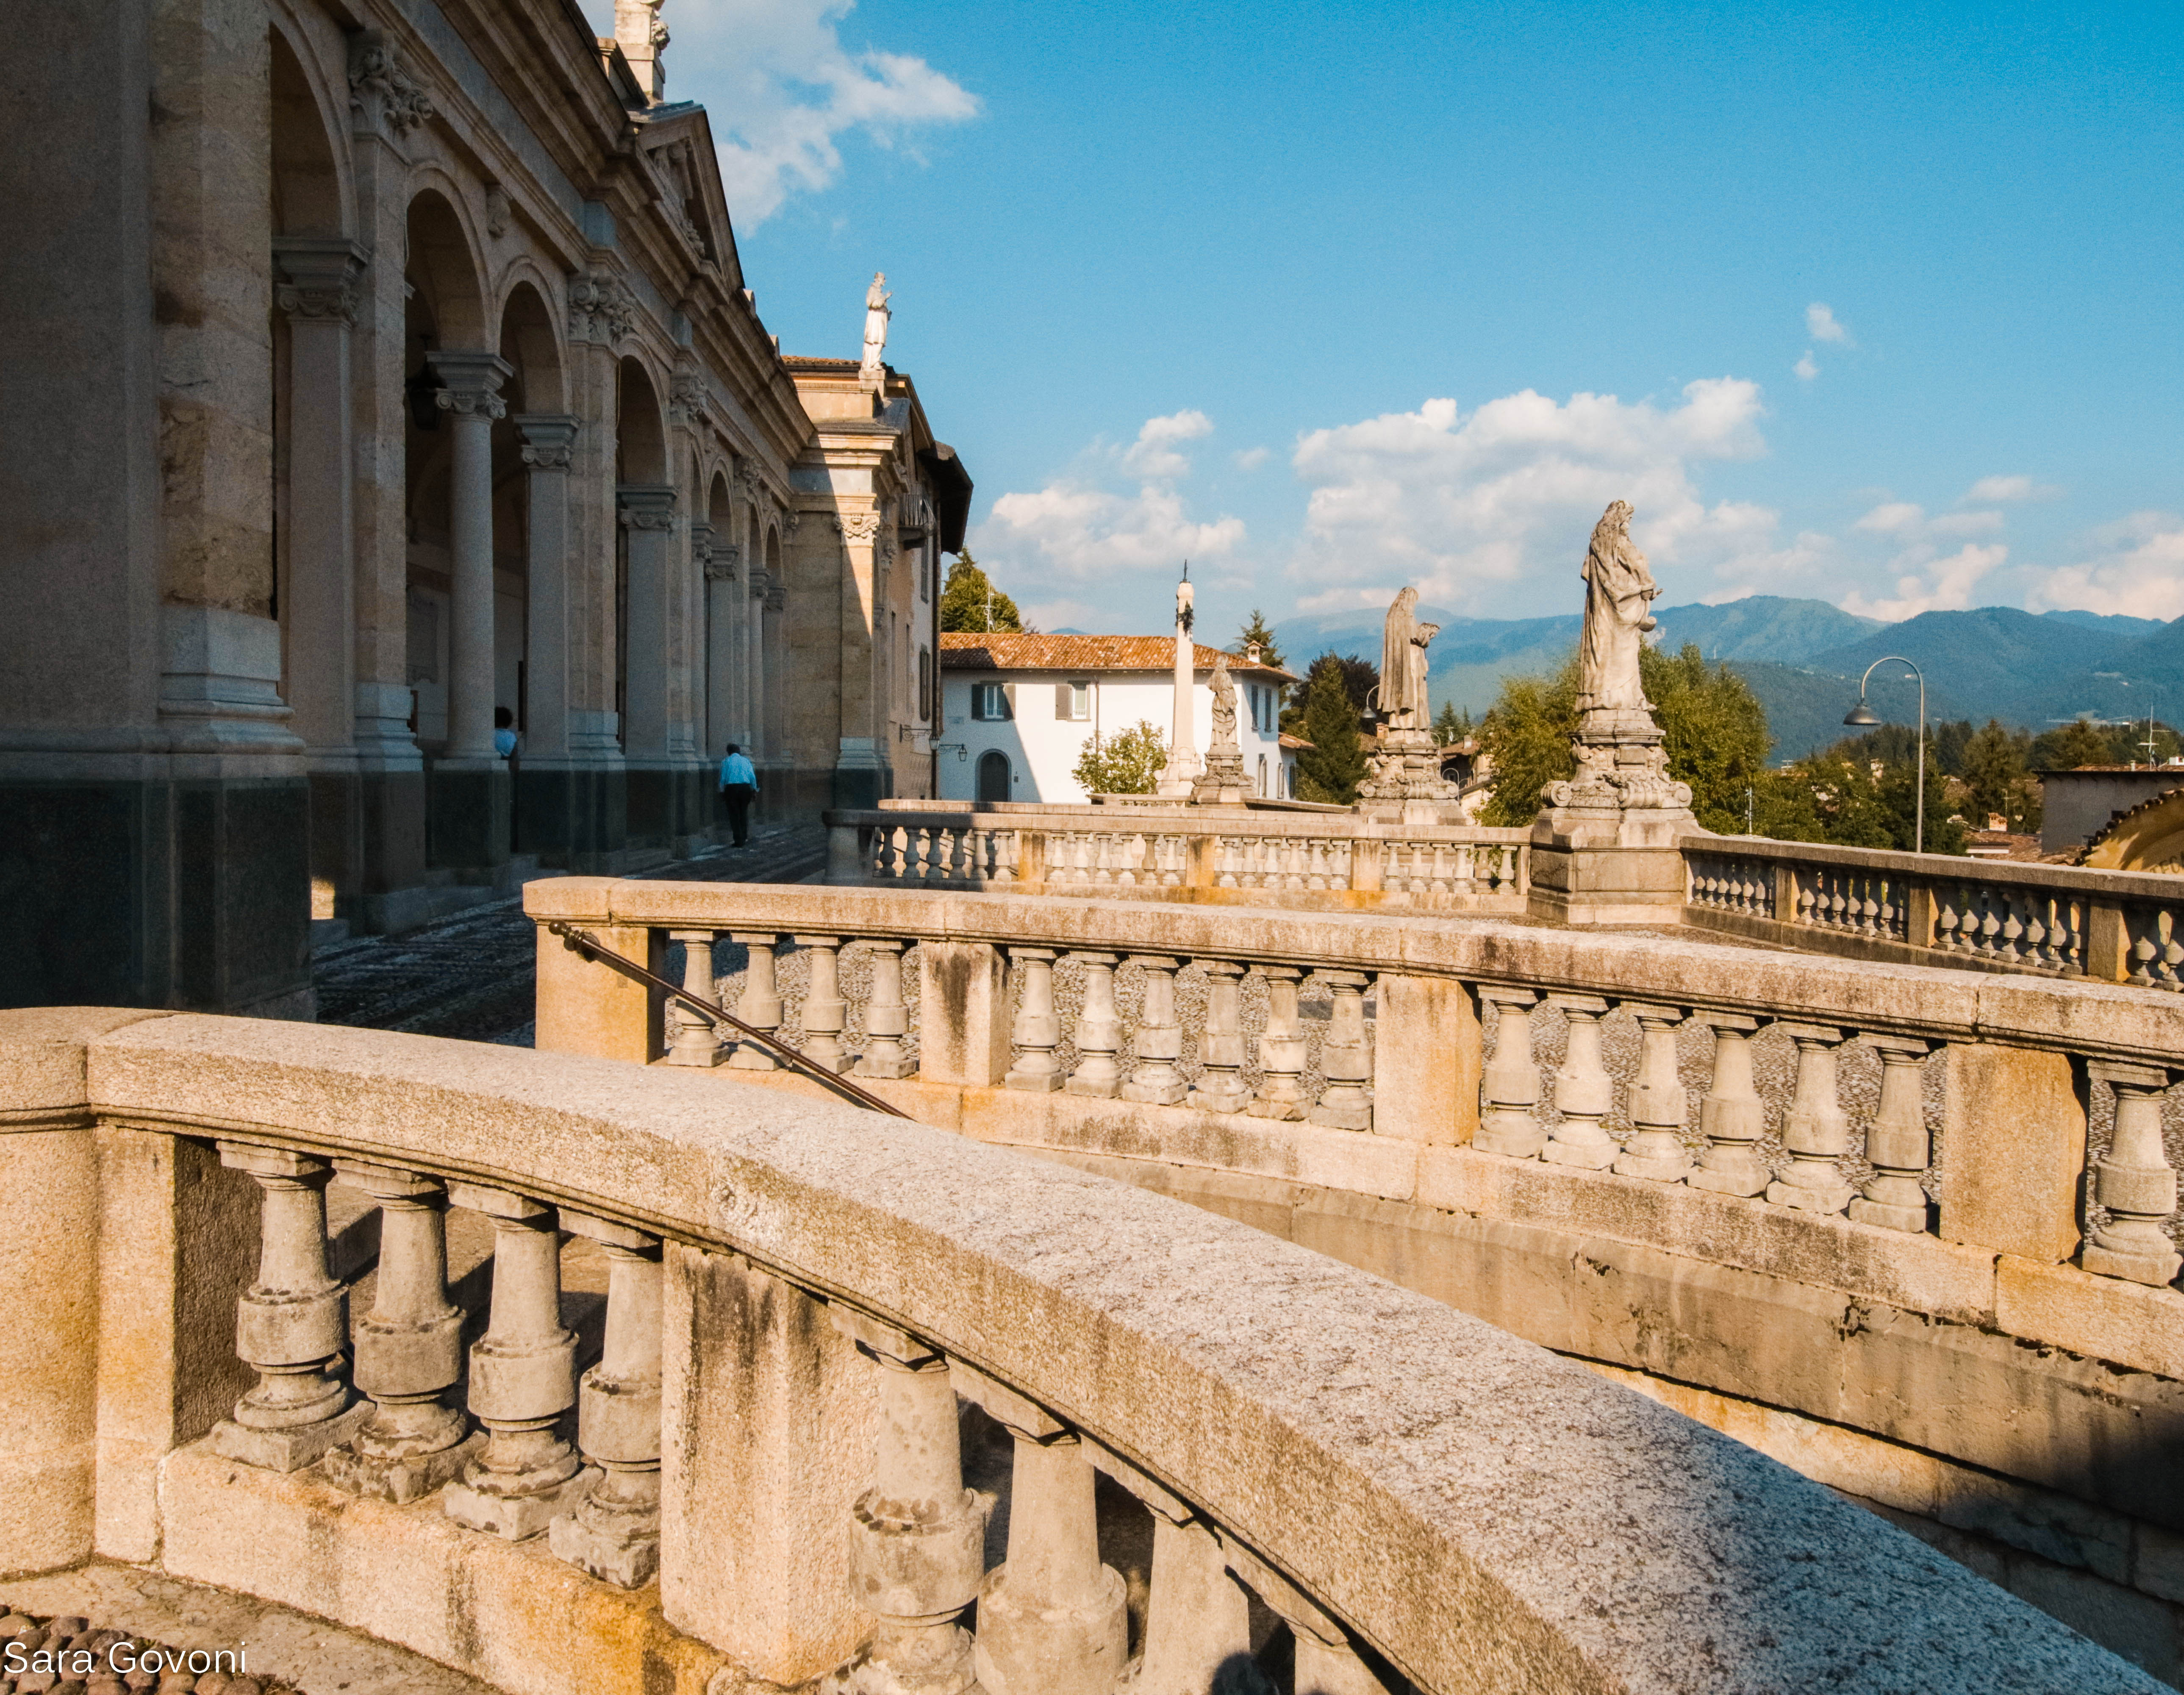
(585,942)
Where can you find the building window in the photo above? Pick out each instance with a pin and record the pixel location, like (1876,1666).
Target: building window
(1073,701)
(990,702)
(925,683)
(1260,787)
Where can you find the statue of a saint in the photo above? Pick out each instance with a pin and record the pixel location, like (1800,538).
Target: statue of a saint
(1401,697)
(1225,709)
(876,328)
(1618,592)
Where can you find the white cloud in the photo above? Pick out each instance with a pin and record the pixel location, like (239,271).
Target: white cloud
(1908,523)
(1934,585)
(1891,516)
(782,89)
(2137,567)
(1153,454)
(1821,326)
(2011,488)
(1250,458)
(1455,502)
(1062,614)
(1807,368)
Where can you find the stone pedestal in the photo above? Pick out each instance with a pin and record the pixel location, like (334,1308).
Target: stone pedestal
(1604,847)
(1406,769)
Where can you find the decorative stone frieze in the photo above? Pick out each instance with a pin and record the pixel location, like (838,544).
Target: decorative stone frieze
(689,398)
(383,96)
(858,528)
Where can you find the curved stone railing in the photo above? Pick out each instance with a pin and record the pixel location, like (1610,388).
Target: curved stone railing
(796,1295)
(1933,1209)
(2051,920)
(1260,857)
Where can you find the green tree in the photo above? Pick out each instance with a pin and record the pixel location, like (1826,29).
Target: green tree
(1126,763)
(1359,678)
(966,596)
(1331,768)
(1257,630)
(1995,776)
(1527,733)
(1449,726)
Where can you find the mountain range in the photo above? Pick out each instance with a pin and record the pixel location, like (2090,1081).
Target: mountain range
(1803,660)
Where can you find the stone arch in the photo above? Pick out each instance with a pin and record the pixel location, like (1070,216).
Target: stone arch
(532,345)
(311,192)
(442,269)
(640,426)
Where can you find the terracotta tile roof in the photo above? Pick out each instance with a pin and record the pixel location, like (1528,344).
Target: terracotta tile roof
(1290,741)
(1006,651)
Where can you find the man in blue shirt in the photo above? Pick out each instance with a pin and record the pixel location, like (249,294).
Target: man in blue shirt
(739,788)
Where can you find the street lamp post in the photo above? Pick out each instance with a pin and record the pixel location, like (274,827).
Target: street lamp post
(1863,715)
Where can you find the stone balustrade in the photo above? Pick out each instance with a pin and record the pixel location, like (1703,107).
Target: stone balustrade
(765,1486)
(1313,857)
(1785,1156)
(1986,915)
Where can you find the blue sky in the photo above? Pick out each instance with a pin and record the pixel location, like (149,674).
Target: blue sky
(1883,305)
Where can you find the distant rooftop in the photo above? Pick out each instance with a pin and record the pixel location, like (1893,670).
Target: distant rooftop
(1005,651)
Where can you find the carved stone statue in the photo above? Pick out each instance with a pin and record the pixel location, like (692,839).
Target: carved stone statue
(1405,767)
(1618,592)
(1223,779)
(1224,708)
(1400,702)
(877,314)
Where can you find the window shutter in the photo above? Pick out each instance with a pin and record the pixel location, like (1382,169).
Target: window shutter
(1008,700)
(1063,707)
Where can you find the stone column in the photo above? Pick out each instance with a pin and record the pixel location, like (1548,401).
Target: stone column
(1511,1090)
(1158,1043)
(1198,1618)
(1098,1032)
(1345,1058)
(759,1005)
(1732,1116)
(409,1348)
(2134,1181)
(1037,1030)
(469,793)
(522,1376)
(887,1018)
(1816,1133)
(825,1011)
(1328,1663)
(291,1326)
(1220,1048)
(1659,1105)
(1896,1144)
(695,1041)
(319,298)
(1281,1049)
(647,514)
(543,800)
(918,1537)
(1051,1619)
(1583,1090)
(614,1533)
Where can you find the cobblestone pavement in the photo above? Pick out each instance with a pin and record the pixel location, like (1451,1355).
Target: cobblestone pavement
(470,975)
(300,1652)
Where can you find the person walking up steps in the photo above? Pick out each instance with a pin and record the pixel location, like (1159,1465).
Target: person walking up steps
(739,788)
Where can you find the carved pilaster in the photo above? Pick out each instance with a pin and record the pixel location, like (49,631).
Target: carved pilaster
(646,506)
(383,98)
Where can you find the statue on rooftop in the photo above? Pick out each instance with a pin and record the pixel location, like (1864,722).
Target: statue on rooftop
(876,316)
(1618,593)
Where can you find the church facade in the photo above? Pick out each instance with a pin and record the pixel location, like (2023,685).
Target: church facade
(414,495)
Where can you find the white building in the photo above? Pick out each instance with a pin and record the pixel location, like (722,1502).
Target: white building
(1019,710)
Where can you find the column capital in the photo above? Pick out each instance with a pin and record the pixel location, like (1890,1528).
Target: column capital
(646,505)
(470,382)
(319,278)
(722,559)
(383,96)
(548,437)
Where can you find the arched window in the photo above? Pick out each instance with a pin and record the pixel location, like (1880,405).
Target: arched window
(993,775)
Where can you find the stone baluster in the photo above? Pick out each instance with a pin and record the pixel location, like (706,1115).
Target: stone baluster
(409,1348)
(292,1326)
(1198,1617)
(1897,1145)
(1220,1086)
(918,1543)
(1051,1618)
(2134,1181)
(695,1040)
(523,1375)
(1511,1086)
(1036,1031)
(825,1012)
(1099,1034)
(1732,1116)
(760,1004)
(1584,1091)
(1346,1060)
(1327,1663)
(1158,1043)
(1657,1100)
(887,1017)
(614,1533)
(1281,1049)
(1816,1132)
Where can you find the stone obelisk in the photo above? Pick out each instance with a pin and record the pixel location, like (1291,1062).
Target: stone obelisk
(1179,777)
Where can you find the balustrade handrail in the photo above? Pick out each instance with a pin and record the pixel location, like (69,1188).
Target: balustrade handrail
(1485,1516)
(1181,821)
(1937,867)
(2111,1021)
